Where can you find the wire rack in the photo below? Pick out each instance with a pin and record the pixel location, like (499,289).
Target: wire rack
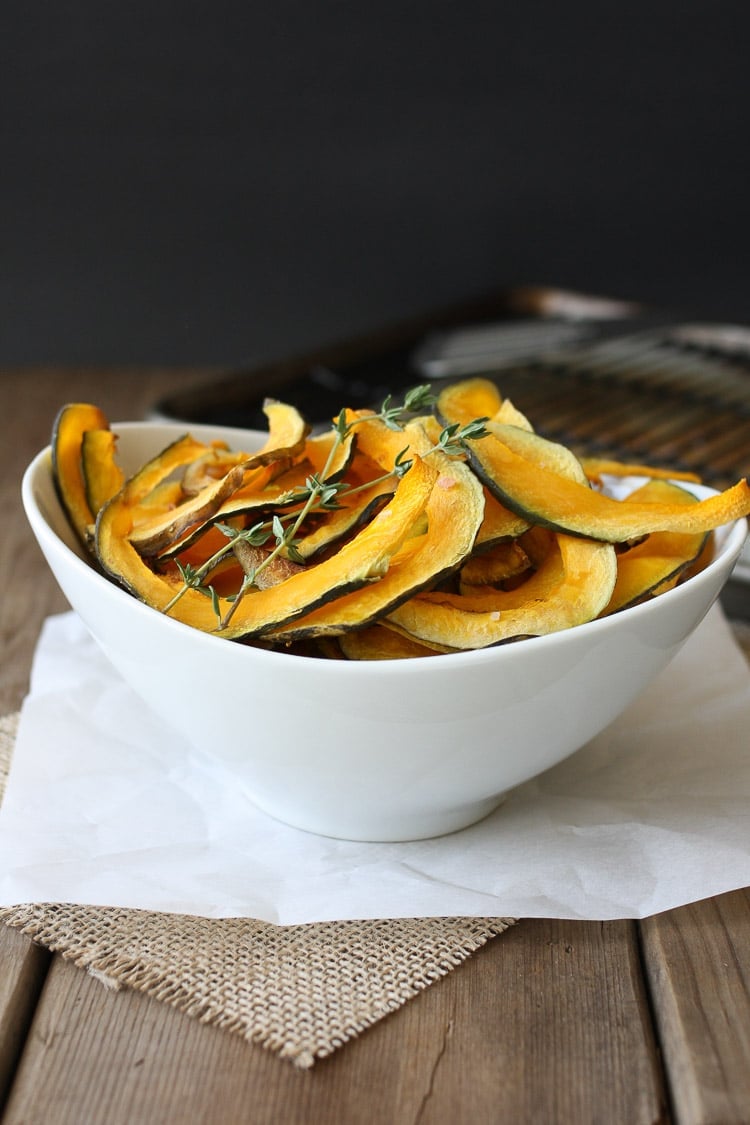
(676,395)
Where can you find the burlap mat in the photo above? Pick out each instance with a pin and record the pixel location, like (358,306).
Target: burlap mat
(301,991)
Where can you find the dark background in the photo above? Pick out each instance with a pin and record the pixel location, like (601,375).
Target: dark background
(217,183)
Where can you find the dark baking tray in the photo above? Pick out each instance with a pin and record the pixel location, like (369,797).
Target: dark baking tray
(354,372)
(605,377)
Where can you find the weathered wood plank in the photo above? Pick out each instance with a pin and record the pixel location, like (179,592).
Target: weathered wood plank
(24,967)
(698,965)
(549,1023)
(554,1027)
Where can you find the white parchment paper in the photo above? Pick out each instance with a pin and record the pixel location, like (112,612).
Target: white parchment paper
(106,806)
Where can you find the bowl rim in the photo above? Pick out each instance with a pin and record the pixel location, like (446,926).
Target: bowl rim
(735,534)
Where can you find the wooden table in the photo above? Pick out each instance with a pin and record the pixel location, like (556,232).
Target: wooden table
(555,1021)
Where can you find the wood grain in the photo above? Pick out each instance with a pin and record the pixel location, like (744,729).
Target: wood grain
(549,1024)
(24,967)
(698,965)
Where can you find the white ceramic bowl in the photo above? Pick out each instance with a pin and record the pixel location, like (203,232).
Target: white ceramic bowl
(377,750)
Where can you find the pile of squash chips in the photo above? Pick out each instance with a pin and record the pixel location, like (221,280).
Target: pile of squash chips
(411,546)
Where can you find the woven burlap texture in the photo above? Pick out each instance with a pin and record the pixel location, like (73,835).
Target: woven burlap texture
(301,991)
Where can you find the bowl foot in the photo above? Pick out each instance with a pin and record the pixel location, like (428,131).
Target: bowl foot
(387,827)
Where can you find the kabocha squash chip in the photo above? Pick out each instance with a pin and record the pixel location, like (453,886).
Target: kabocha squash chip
(656,563)
(150,536)
(210,467)
(468,399)
(572,586)
(378,642)
(72,422)
(397,534)
(287,433)
(544,454)
(546,498)
(502,562)
(331,460)
(499,524)
(102,476)
(163,498)
(508,415)
(596,468)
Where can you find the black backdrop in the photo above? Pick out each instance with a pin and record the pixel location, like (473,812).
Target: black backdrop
(218,183)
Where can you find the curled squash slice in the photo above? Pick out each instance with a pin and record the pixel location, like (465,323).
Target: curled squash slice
(287,433)
(378,642)
(656,562)
(545,498)
(571,586)
(71,424)
(597,467)
(150,536)
(468,399)
(102,476)
(500,563)
(499,524)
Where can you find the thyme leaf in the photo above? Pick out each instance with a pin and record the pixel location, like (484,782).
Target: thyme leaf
(452,437)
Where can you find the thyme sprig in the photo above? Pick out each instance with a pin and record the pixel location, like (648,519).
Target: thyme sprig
(452,438)
(318,495)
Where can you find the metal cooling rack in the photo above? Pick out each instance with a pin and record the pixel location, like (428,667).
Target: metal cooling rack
(674,394)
